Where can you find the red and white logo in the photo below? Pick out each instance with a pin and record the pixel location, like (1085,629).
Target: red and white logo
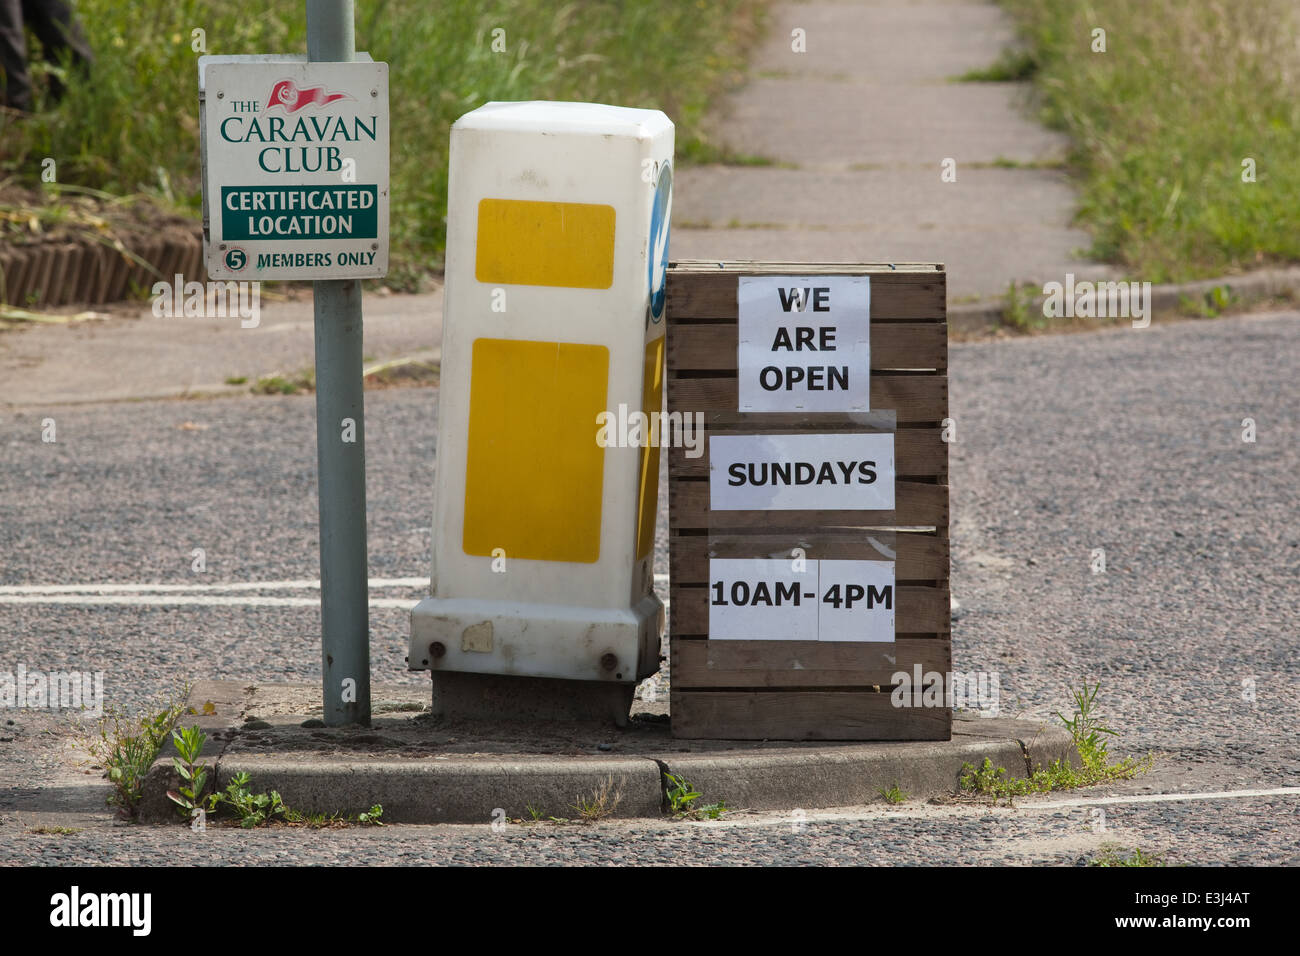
(293,99)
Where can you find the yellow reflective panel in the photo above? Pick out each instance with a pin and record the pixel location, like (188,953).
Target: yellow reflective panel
(568,244)
(533,482)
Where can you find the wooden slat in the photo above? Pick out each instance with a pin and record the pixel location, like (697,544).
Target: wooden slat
(7,272)
(56,292)
(21,282)
(917,610)
(39,278)
(769,664)
(918,556)
(803,715)
(789,267)
(916,504)
(914,398)
(909,345)
(918,453)
(895,296)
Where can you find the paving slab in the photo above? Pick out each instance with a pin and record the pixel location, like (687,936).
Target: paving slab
(817,123)
(884,42)
(895,200)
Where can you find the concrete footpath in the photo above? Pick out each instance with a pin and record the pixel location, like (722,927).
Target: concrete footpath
(427,770)
(857,129)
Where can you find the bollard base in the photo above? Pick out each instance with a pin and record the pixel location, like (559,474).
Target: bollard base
(506,697)
(580,645)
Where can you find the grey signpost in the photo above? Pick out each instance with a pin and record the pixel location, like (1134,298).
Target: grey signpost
(340,401)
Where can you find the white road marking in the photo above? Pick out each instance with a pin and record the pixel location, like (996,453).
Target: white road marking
(299,585)
(181,595)
(303,585)
(183,600)
(1170,797)
(767,818)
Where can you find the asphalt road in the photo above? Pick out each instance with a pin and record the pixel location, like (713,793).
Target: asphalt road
(1128,441)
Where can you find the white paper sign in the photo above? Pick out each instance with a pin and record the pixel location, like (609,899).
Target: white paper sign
(764,599)
(805,343)
(295,168)
(843,472)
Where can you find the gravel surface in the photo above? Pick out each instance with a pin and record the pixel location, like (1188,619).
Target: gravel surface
(1126,440)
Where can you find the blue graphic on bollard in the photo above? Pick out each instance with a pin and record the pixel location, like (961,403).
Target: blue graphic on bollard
(659,227)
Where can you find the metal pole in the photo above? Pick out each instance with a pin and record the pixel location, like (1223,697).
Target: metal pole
(340,447)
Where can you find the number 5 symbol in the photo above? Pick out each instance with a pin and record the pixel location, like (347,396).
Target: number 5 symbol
(236,260)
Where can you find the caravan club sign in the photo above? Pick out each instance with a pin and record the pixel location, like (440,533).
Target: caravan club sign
(295,168)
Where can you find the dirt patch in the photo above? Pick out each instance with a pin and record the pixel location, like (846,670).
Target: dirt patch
(31,217)
(84,247)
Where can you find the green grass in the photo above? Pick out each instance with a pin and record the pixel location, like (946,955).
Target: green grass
(134,127)
(277,384)
(601,802)
(1162,120)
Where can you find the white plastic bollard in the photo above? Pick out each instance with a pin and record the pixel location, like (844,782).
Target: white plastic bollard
(543,540)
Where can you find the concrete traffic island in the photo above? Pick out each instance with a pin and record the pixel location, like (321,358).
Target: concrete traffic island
(426,769)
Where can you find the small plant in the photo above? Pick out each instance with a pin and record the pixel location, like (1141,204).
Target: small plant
(1085,728)
(251,809)
(188,797)
(1089,737)
(237,380)
(601,803)
(126,747)
(1016,312)
(55,831)
(710,811)
(1210,305)
(681,795)
(372,817)
(534,814)
(894,795)
(1112,855)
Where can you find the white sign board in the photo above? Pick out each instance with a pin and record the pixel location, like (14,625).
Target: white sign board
(805,343)
(295,168)
(846,471)
(764,599)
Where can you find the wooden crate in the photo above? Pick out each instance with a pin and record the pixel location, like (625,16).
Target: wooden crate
(799,689)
